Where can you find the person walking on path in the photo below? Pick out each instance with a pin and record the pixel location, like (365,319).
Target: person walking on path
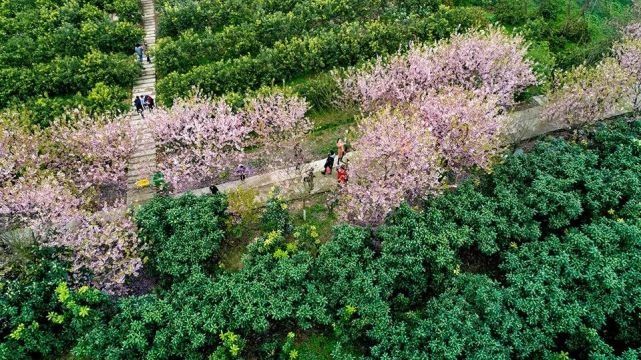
(138,105)
(329,164)
(145,47)
(341,174)
(149,102)
(139,51)
(340,149)
(242,171)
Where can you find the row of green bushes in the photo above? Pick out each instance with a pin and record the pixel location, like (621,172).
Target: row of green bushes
(541,259)
(575,31)
(67,75)
(190,49)
(177,16)
(51,49)
(347,44)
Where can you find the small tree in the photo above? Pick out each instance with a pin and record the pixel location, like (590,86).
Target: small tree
(102,247)
(397,160)
(18,150)
(468,129)
(198,139)
(628,53)
(91,150)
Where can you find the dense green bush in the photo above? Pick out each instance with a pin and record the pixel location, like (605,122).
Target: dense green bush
(275,216)
(540,259)
(40,317)
(183,234)
(177,16)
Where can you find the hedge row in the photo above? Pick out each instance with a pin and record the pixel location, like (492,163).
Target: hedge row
(70,49)
(67,76)
(344,45)
(177,16)
(191,49)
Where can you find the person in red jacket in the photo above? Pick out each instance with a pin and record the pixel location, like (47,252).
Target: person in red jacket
(341,174)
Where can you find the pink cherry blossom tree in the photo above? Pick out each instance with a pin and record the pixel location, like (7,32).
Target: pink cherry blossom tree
(276,117)
(102,247)
(91,150)
(201,139)
(396,160)
(198,139)
(628,53)
(468,130)
(18,150)
(486,62)
(585,94)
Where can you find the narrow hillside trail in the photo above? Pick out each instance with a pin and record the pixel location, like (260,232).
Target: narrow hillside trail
(142,164)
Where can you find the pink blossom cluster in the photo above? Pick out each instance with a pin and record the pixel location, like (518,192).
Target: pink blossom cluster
(201,139)
(197,139)
(587,94)
(468,129)
(486,62)
(402,153)
(18,150)
(277,117)
(455,94)
(628,53)
(102,247)
(396,160)
(91,151)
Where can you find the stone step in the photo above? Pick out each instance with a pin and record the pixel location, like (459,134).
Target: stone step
(145,152)
(138,198)
(140,167)
(140,173)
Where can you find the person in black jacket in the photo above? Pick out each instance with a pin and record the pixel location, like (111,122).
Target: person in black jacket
(329,164)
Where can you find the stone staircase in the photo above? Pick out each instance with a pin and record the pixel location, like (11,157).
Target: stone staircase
(143,163)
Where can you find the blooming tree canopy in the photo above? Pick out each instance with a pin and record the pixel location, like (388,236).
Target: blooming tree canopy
(198,139)
(587,94)
(102,247)
(467,129)
(486,62)
(18,150)
(201,139)
(628,53)
(396,160)
(91,150)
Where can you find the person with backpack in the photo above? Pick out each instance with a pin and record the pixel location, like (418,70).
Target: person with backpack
(138,105)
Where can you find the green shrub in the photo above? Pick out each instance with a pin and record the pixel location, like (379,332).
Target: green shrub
(275,216)
(41,317)
(183,234)
(52,49)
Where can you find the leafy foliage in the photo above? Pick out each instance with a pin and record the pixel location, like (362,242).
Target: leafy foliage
(183,234)
(55,54)
(41,316)
(539,259)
